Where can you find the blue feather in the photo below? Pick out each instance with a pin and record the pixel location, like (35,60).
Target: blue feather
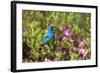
(48,36)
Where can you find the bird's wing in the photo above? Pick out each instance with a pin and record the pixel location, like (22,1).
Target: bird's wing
(45,37)
(45,40)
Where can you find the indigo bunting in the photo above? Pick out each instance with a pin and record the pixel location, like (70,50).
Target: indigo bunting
(48,36)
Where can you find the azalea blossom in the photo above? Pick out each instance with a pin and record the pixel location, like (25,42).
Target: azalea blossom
(82,53)
(47,60)
(67,32)
(64,38)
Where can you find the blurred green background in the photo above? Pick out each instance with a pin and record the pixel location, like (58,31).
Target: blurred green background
(76,47)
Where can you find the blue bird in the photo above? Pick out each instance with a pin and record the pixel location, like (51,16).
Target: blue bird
(48,36)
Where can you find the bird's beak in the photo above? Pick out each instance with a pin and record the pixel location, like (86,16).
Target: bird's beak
(53,27)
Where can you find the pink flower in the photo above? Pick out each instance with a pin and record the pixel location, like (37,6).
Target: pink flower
(47,60)
(67,32)
(64,38)
(82,53)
